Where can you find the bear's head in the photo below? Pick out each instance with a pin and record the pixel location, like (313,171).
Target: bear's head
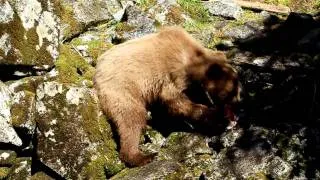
(217,77)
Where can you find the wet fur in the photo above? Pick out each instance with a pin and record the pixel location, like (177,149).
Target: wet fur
(159,66)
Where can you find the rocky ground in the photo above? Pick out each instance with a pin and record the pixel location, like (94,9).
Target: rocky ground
(51,126)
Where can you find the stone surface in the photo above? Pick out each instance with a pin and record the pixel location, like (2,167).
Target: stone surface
(21,169)
(7,133)
(239,32)
(74,139)
(225,8)
(77,15)
(7,157)
(154,170)
(29,33)
(136,25)
(23,103)
(278,133)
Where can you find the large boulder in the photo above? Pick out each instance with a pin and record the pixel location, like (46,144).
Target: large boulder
(7,133)
(77,16)
(29,33)
(74,138)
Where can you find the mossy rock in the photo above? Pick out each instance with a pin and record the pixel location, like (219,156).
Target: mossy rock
(77,16)
(74,137)
(21,170)
(92,44)
(153,170)
(7,157)
(23,104)
(72,68)
(4,172)
(181,146)
(28,40)
(41,176)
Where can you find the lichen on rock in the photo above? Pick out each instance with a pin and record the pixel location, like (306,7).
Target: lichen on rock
(29,36)
(75,139)
(7,133)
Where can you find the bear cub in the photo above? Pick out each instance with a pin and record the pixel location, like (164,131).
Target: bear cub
(159,67)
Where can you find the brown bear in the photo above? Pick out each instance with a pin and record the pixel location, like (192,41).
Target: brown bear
(160,66)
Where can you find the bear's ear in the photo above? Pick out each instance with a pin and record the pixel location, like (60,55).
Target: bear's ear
(215,71)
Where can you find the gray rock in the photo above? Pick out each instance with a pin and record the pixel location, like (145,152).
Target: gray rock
(279,169)
(137,25)
(239,32)
(29,33)
(7,157)
(7,133)
(77,15)
(154,170)
(23,103)
(225,8)
(21,169)
(74,138)
(180,146)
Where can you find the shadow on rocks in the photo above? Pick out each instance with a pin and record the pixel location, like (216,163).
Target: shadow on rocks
(280,71)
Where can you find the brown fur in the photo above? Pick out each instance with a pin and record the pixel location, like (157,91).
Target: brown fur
(159,66)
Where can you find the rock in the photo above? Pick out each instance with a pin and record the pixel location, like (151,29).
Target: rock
(279,169)
(7,157)
(74,138)
(154,141)
(239,32)
(7,133)
(225,8)
(29,33)
(23,104)
(41,175)
(77,15)
(21,169)
(4,172)
(72,68)
(137,25)
(181,146)
(153,170)
(93,43)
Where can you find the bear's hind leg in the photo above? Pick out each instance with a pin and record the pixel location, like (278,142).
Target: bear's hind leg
(131,123)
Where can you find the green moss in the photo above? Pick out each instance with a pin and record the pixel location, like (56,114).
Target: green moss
(216,39)
(65,13)
(146,4)
(123,27)
(95,169)
(97,47)
(196,26)
(107,162)
(26,84)
(195,9)
(279,2)
(21,111)
(4,171)
(310,6)
(249,16)
(72,67)
(258,176)
(21,169)
(40,176)
(25,42)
